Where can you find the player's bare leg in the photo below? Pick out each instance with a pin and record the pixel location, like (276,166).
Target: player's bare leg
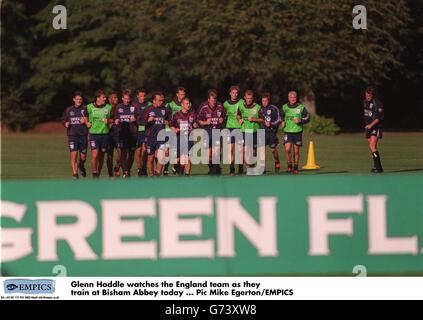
(81,165)
(144,160)
(166,166)
(377,165)
(231,158)
(150,164)
(215,153)
(209,154)
(118,164)
(240,150)
(184,165)
(160,159)
(296,158)
(138,159)
(288,155)
(73,161)
(94,162)
(276,159)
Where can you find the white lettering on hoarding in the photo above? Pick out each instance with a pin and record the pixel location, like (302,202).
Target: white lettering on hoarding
(15,243)
(320,226)
(231,215)
(75,234)
(379,243)
(115,228)
(173,225)
(181,219)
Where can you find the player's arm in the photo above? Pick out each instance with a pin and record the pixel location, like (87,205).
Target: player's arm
(239,117)
(137,111)
(115,115)
(252,119)
(168,116)
(202,120)
(282,114)
(261,118)
(146,119)
(195,121)
(257,120)
(223,115)
(88,122)
(84,117)
(277,118)
(379,115)
(305,117)
(174,124)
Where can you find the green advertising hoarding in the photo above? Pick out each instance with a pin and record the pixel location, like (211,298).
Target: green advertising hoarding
(275,225)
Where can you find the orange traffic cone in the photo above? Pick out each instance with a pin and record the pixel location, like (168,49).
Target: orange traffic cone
(311,161)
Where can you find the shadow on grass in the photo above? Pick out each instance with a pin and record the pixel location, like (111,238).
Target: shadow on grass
(407,170)
(332,172)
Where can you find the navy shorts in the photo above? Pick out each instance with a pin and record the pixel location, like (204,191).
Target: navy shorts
(236,136)
(294,138)
(99,142)
(78,143)
(209,142)
(184,146)
(250,136)
(153,145)
(141,138)
(377,132)
(271,139)
(127,142)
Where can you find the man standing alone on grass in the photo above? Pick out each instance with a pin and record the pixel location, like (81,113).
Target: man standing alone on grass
(294,116)
(74,120)
(99,118)
(373,116)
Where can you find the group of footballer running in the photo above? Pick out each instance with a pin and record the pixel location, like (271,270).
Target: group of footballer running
(134,129)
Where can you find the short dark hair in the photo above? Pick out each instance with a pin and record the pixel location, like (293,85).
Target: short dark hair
(249,92)
(99,93)
(111,93)
(126,92)
(77,94)
(212,93)
(181,89)
(266,95)
(157,93)
(140,90)
(234,88)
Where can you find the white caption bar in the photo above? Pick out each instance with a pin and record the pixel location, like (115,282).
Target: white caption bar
(218,288)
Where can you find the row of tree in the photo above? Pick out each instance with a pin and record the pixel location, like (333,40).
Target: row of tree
(274,45)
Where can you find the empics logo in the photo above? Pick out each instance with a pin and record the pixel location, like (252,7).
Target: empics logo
(29,286)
